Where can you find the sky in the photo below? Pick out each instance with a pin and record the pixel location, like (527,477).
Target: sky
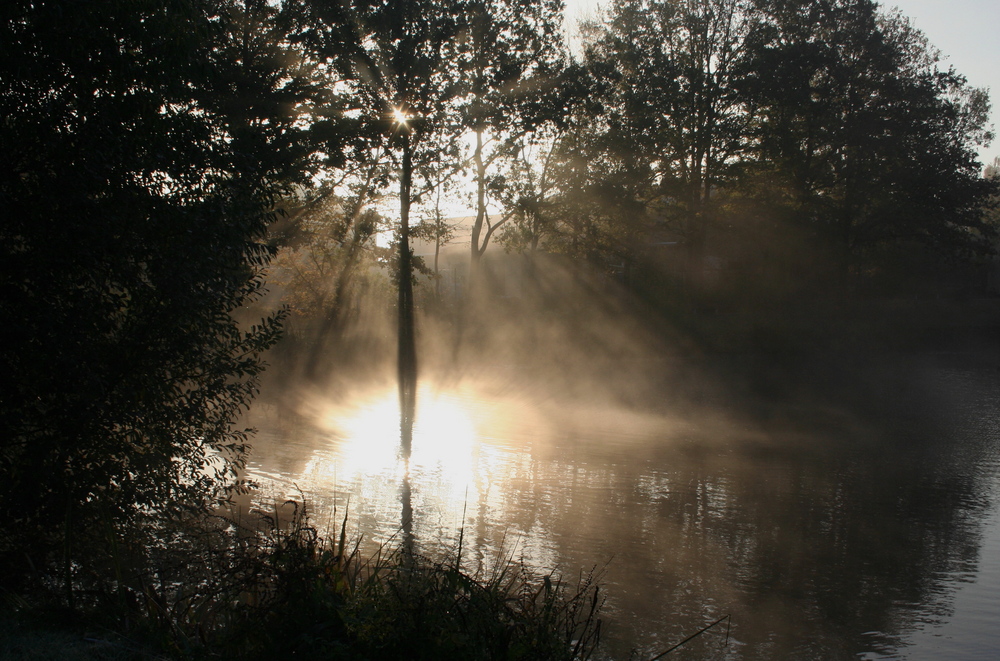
(967,32)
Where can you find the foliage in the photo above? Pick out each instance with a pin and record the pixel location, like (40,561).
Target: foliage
(668,74)
(513,65)
(317,260)
(149,146)
(268,585)
(786,148)
(437,611)
(145,145)
(569,201)
(866,138)
(811,143)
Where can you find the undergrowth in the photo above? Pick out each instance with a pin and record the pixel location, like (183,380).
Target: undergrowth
(270,586)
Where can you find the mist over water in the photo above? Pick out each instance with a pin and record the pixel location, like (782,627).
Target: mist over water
(835,505)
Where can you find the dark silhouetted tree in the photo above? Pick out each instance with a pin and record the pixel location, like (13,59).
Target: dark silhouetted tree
(861,137)
(673,113)
(145,144)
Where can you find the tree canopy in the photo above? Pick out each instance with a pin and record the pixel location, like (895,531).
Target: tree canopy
(144,145)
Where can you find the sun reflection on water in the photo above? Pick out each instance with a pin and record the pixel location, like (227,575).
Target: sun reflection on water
(444,436)
(366,439)
(363,458)
(458,476)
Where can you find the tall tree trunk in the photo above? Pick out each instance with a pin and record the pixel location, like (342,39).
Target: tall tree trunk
(437,258)
(477,226)
(695,227)
(438,232)
(407,356)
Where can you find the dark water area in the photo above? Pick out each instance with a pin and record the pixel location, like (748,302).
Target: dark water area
(837,507)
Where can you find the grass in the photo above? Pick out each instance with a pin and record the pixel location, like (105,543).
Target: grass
(271,587)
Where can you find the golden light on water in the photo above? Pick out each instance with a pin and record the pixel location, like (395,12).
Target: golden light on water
(444,436)
(461,451)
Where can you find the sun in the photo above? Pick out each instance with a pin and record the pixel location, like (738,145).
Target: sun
(401,117)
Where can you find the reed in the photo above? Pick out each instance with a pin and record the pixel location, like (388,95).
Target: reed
(268,585)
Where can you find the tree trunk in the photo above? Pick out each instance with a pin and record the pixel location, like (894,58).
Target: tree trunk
(477,226)
(437,257)
(407,356)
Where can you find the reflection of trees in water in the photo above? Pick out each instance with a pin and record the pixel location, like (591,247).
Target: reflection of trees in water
(809,540)
(809,546)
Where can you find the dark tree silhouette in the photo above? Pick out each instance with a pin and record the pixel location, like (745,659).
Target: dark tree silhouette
(873,144)
(144,146)
(668,74)
(823,132)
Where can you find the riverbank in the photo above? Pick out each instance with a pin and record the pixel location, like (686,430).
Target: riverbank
(278,589)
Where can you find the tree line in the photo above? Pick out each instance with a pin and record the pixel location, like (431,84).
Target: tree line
(799,146)
(159,154)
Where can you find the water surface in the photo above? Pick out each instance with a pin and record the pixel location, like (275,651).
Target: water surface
(857,526)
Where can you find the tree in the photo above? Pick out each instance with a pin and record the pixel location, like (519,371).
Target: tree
(870,144)
(826,127)
(531,185)
(396,59)
(439,177)
(513,63)
(320,254)
(568,196)
(145,145)
(673,111)
(322,246)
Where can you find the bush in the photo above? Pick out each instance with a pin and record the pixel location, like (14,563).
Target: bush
(267,586)
(137,186)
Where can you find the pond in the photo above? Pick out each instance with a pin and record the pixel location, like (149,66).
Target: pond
(863,524)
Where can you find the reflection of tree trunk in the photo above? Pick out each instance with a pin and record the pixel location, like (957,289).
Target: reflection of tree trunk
(407,357)
(406,513)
